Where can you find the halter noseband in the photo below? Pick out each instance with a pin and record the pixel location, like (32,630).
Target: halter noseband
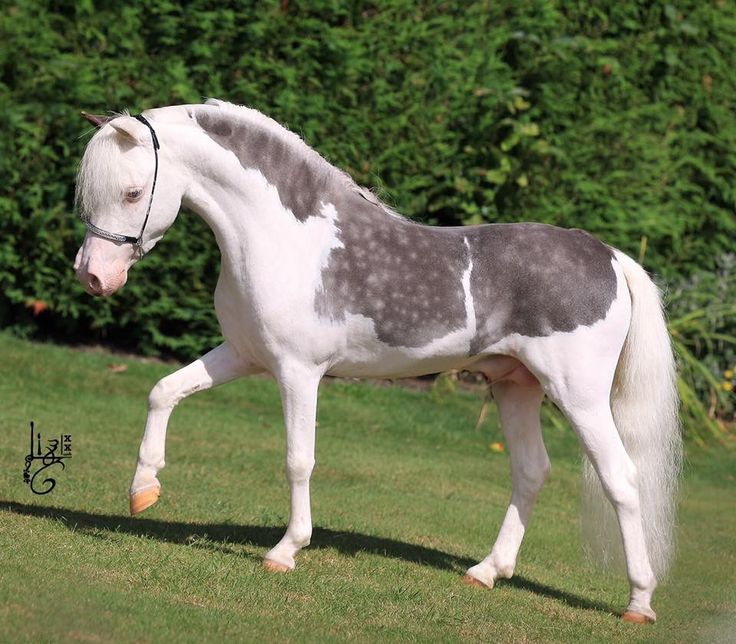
(127,239)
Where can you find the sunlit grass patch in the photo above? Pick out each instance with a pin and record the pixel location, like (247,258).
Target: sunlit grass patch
(406,495)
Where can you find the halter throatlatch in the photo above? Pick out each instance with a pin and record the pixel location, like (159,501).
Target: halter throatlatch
(127,239)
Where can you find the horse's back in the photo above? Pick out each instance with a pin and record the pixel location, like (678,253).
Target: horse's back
(419,283)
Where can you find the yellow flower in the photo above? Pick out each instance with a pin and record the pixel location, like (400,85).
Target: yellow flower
(727,386)
(728,374)
(497,447)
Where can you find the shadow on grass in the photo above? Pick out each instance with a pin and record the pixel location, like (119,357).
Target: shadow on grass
(217,536)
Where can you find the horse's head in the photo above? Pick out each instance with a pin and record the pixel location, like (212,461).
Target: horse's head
(125,196)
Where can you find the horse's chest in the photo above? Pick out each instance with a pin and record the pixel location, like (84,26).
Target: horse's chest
(261,319)
(265,298)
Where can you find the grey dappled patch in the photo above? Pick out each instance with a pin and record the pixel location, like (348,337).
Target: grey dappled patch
(302,178)
(404,276)
(530,279)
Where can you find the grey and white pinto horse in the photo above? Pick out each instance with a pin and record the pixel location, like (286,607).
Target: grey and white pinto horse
(319,277)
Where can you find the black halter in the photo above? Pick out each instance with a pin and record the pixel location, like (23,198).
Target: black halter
(127,239)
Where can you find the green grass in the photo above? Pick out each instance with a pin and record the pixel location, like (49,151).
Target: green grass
(406,495)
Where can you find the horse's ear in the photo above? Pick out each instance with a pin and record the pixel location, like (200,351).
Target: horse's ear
(132,129)
(96,120)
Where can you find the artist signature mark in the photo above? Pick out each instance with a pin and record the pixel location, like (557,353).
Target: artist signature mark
(56,451)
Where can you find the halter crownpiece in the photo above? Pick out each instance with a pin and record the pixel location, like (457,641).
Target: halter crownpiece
(128,239)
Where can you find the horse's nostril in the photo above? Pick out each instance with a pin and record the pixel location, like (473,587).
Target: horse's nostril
(94,283)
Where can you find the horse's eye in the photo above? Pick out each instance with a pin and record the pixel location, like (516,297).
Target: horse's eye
(134,195)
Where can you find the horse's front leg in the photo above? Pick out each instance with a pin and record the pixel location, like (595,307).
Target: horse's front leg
(216,367)
(299,386)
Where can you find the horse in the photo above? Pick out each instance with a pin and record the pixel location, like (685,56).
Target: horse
(320,277)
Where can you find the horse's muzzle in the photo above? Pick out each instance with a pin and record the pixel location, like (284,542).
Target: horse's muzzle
(98,279)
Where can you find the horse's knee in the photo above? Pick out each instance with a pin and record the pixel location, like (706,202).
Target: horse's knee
(299,468)
(165,394)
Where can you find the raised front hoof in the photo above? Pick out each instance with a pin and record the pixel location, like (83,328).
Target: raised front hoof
(637,618)
(472,581)
(143,500)
(275,566)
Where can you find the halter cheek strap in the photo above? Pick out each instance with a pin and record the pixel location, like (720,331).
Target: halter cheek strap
(111,236)
(127,239)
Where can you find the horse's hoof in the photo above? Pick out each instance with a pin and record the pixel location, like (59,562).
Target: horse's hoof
(143,500)
(275,566)
(472,581)
(637,618)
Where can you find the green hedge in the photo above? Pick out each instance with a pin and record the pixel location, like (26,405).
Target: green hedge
(614,117)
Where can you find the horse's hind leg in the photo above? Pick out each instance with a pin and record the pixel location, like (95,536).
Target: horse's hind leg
(519,407)
(218,366)
(593,422)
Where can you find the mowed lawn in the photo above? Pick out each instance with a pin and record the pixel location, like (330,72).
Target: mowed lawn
(405,496)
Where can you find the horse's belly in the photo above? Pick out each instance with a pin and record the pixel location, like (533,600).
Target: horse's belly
(394,364)
(362,353)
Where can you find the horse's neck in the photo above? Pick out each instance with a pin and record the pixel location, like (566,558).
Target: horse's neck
(299,173)
(269,195)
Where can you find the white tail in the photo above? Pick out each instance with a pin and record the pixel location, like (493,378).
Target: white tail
(645,408)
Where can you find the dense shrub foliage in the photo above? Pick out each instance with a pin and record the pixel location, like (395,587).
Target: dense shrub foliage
(614,117)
